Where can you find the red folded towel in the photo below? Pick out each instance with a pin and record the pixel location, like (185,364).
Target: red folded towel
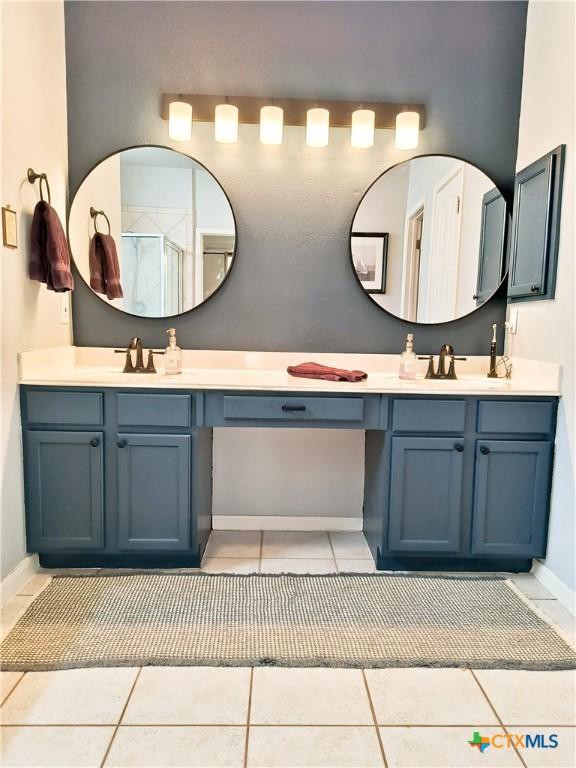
(49,260)
(104,266)
(325,372)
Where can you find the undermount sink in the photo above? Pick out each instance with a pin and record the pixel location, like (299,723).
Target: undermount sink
(464,382)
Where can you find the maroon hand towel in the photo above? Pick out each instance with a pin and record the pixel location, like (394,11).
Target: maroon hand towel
(49,255)
(104,266)
(325,372)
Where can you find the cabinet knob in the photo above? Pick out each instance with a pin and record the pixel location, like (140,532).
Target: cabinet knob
(94,442)
(534,288)
(121,443)
(484,449)
(475,296)
(458,447)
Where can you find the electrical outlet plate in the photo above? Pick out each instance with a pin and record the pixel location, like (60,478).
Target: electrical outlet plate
(512,323)
(65,309)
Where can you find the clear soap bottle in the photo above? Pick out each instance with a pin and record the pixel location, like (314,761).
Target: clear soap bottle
(173,355)
(408,359)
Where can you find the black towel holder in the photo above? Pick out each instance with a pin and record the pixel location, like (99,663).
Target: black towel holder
(33,177)
(94,213)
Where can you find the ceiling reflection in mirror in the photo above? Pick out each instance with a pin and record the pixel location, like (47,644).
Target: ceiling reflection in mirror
(428,240)
(152,232)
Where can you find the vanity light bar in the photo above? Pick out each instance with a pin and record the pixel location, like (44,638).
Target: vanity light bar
(342,114)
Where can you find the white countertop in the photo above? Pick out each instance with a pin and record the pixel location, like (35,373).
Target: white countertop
(266,371)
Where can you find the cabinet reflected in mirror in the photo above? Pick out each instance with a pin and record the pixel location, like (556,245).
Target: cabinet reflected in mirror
(428,240)
(162,222)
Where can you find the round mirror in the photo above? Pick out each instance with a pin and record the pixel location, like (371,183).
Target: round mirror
(428,239)
(152,232)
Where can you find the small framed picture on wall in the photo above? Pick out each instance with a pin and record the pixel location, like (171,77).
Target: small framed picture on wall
(369,255)
(9,232)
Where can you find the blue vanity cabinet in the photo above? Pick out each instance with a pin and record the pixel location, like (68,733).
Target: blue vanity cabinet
(425,494)
(511,497)
(64,477)
(123,477)
(154,488)
(460,483)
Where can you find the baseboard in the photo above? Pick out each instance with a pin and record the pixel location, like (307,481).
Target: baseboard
(13,582)
(556,586)
(284,523)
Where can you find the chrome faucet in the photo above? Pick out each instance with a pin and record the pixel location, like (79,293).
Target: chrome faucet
(446,350)
(136,344)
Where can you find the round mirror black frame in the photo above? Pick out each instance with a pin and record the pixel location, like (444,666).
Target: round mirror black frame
(506,243)
(152,146)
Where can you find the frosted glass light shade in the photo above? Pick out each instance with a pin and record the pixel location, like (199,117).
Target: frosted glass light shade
(407,130)
(226,123)
(271,125)
(362,134)
(180,121)
(317,127)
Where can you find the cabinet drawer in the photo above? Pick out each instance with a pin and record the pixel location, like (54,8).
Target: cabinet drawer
(64,408)
(154,410)
(429,415)
(293,408)
(516,417)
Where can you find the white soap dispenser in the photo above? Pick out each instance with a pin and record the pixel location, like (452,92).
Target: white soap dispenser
(408,359)
(173,355)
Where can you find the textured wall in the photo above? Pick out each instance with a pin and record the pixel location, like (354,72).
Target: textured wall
(33,85)
(546,329)
(292,286)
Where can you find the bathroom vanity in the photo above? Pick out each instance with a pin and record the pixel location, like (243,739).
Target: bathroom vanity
(118,467)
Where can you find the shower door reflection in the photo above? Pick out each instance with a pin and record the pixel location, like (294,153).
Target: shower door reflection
(152,266)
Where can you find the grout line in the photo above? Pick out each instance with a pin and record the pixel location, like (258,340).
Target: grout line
(333,552)
(11,691)
(248,712)
(280,725)
(120,718)
(378,734)
(493,708)
(261,552)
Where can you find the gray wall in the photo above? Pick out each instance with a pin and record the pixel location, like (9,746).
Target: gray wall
(292,287)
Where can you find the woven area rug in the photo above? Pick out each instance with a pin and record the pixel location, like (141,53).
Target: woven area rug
(287,620)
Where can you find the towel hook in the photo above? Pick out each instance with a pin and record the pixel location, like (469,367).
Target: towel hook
(94,213)
(33,177)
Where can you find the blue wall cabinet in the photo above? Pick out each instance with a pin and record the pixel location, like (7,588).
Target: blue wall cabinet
(64,490)
(511,497)
(154,492)
(536,228)
(491,260)
(426,494)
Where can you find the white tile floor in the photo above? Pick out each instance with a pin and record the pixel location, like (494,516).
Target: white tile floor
(191,716)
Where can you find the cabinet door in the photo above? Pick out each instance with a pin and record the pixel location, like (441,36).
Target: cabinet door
(425,494)
(64,490)
(511,497)
(492,245)
(535,228)
(154,492)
